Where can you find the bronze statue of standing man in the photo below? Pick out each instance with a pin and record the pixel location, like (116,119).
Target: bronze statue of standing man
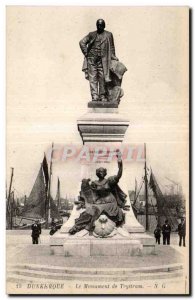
(99,51)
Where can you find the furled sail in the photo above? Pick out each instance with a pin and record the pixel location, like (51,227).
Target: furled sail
(35,205)
(58,197)
(163,211)
(45,171)
(54,213)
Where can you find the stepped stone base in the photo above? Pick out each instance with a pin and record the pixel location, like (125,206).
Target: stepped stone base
(101,247)
(28,273)
(86,246)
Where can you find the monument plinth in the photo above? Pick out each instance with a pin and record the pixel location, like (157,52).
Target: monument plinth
(102,124)
(102,222)
(104,104)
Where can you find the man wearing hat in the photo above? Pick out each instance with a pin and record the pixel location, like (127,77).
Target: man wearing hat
(182,232)
(36,231)
(166,231)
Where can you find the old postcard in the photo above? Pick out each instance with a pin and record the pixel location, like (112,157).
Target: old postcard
(97,192)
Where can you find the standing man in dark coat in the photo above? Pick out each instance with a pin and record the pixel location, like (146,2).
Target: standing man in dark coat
(182,232)
(36,231)
(166,231)
(98,49)
(157,234)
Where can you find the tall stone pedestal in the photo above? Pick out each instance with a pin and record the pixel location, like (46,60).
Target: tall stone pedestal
(102,125)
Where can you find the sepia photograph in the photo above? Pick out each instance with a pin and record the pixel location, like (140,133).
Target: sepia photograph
(97,150)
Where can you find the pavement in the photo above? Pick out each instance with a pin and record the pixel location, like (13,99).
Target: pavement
(19,249)
(31,269)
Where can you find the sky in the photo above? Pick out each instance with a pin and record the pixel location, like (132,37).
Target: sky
(47,92)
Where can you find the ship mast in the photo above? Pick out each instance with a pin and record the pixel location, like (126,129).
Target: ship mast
(9,202)
(146,190)
(58,195)
(135,191)
(48,210)
(11,213)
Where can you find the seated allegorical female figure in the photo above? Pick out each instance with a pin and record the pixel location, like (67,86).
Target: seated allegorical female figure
(102,196)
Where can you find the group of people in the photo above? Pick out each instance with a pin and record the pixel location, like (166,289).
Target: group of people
(165,230)
(166,233)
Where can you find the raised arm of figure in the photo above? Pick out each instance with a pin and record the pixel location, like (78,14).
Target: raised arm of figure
(120,166)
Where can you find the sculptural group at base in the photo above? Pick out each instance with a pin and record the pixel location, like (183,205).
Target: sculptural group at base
(101,197)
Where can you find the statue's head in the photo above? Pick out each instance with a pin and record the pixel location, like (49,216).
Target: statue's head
(101,173)
(100,24)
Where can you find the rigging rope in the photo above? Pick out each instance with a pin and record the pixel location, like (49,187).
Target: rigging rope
(136,196)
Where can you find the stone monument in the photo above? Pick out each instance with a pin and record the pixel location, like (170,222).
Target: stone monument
(102,221)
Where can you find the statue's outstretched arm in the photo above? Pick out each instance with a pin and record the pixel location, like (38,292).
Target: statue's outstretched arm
(120,166)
